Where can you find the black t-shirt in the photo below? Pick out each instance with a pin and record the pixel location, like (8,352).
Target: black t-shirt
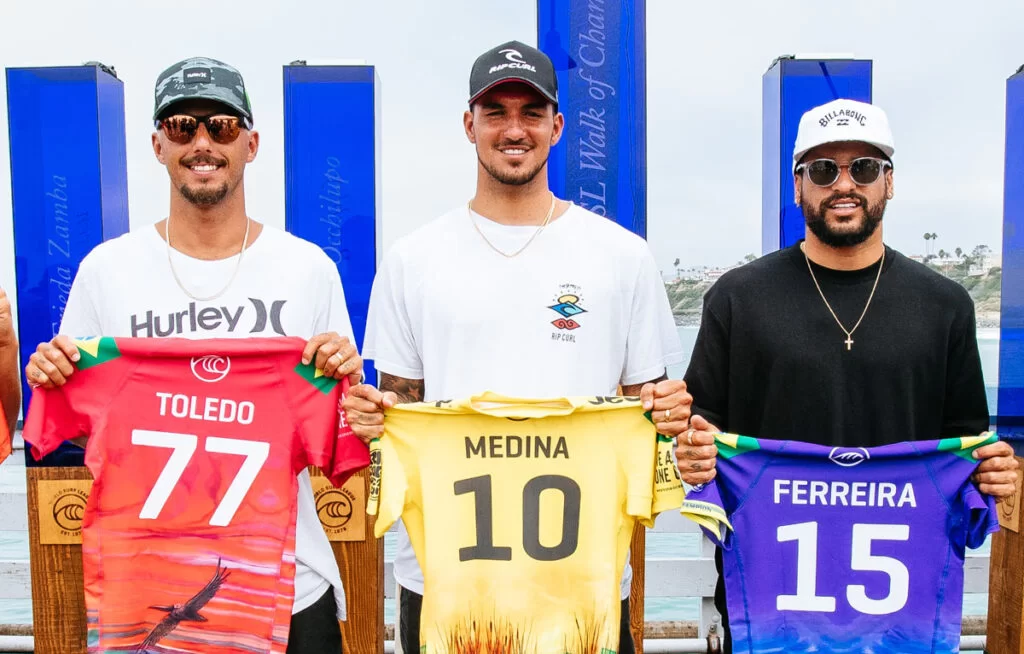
(771,362)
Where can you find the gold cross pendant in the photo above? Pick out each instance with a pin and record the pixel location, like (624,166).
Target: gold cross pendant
(849,343)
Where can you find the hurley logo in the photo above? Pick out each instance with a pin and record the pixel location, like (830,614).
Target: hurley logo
(197,75)
(209,319)
(848,456)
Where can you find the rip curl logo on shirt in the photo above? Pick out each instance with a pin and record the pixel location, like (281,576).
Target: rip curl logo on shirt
(848,456)
(568,307)
(210,368)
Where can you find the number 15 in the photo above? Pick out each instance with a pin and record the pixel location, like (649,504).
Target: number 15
(807,599)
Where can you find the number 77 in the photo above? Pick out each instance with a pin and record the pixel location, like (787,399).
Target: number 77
(184,446)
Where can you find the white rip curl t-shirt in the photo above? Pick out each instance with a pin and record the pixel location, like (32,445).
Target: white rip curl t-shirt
(580,311)
(285,287)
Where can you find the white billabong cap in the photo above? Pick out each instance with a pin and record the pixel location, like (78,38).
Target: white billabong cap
(843,120)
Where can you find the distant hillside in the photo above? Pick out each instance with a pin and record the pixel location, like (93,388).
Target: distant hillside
(686,296)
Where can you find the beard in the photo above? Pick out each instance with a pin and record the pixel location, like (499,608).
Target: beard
(514,176)
(814,217)
(204,196)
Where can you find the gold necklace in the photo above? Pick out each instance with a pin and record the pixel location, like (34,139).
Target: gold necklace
(547,219)
(174,273)
(849,333)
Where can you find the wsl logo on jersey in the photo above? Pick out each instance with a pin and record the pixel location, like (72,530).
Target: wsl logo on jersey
(848,456)
(211,368)
(258,317)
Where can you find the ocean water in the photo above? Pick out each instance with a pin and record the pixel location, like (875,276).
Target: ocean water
(14,545)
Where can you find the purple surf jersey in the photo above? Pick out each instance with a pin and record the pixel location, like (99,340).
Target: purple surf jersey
(844,549)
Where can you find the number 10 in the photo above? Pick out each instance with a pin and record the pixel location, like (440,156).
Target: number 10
(806,599)
(485,549)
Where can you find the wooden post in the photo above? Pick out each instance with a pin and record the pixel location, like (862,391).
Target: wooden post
(637,558)
(58,593)
(361,561)
(1006,580)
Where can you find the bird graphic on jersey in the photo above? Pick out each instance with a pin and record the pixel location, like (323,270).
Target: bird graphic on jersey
(187,612)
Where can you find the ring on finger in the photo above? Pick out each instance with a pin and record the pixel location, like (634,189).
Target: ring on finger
(689,437)
(668,414)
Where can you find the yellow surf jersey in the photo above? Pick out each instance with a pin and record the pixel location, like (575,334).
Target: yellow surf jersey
(521,513)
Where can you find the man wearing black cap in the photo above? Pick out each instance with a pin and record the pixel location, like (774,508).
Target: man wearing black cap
(516,292)
(208,270)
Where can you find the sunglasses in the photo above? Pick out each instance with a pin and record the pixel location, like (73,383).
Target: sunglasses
(825,172)
(182,128)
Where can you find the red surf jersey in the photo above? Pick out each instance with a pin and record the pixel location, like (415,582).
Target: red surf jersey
(5,437)
(188,537)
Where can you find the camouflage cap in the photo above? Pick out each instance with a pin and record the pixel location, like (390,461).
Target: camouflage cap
(203,78)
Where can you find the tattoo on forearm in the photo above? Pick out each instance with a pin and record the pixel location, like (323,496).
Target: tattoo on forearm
(632,390)
(407,390)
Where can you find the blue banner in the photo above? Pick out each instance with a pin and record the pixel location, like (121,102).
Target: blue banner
(791,87)
(69,188)
(1010,408)
(598,48)
(332,173)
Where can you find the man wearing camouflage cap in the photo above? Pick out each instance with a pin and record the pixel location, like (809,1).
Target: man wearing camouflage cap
(209,270)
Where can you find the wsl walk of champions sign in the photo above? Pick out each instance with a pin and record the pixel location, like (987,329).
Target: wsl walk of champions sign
(1011,319)
(789,88)
(332,161)
(69,186)
(599,52)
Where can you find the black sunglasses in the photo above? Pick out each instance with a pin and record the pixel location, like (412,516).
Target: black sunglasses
(825,172)
(182,128)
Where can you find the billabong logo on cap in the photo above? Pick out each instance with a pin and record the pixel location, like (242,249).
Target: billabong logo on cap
(197,75)
(843,118)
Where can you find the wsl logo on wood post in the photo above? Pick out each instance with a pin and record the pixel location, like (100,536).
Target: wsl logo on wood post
(61,510)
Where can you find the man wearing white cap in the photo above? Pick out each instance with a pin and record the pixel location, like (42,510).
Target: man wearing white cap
(839,340)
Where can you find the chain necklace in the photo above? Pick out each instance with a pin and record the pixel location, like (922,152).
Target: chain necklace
(547,219)
(849,333)
(174,273)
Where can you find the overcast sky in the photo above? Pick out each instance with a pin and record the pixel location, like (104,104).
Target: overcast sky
(939,71)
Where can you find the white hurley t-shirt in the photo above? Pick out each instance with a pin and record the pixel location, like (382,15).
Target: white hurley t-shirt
(580,311)
(285,287)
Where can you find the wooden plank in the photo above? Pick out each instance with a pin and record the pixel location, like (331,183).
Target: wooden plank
(1006,592)
(13,511)
(362,574)
(681,578)
(15,580)
(58,593)
(638,559)
(673,522)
